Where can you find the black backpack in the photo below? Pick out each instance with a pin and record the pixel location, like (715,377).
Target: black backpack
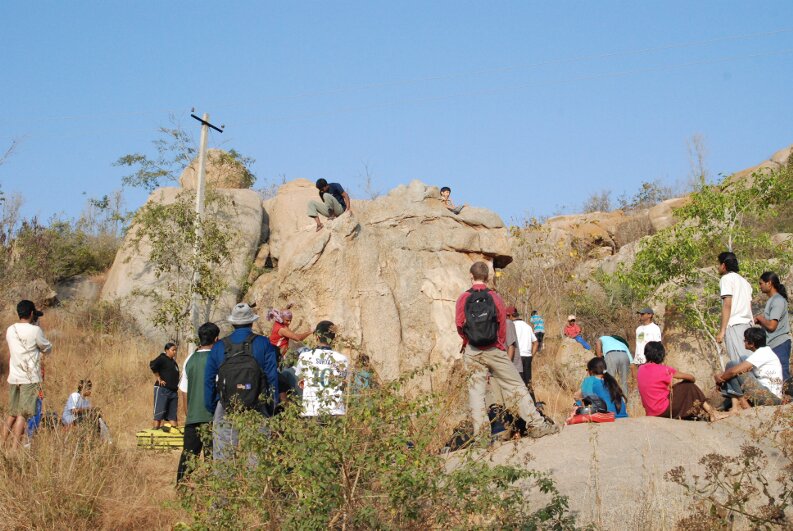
(240,378)
(481,321)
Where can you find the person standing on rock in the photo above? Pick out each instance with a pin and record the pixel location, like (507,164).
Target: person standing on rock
(736,307)
(774,319)
(526,346)
(646,331)
(26,343)
(480,316)
(615,352)
(334,201)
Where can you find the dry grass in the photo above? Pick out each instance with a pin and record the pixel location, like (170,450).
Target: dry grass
(65,480)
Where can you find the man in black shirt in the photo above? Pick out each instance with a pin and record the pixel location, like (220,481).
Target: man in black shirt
(166,398)
(334,201)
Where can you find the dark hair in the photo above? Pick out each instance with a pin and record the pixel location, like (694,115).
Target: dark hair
(83,384)
(598,366)
(207,334)
(168,345)
(654,351)
(770,276)
(325,331)
(480,271)
(534,312)
(446,189)
(729,260)
(755,335)
(26,309)
(321,183)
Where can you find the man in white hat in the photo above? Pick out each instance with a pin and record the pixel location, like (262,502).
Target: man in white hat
(241,342)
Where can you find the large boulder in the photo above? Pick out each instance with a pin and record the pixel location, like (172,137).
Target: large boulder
(132,273)
(388,274)
(222,170)
(614,473)
(662,215)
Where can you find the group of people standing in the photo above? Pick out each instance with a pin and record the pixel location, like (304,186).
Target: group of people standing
(247,371)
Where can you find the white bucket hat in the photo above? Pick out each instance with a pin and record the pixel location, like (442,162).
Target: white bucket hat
(242,314)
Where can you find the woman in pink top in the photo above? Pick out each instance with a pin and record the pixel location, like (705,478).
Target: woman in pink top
(683,400)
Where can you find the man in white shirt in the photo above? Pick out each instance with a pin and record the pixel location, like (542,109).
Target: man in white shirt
(26,343)
(527,346)
(322,374)
(646,331)
(757,379)
(736,307)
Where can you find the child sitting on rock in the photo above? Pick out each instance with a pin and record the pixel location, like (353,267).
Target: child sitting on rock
(446,192)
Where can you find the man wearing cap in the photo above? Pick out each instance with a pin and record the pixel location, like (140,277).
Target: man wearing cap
(573,331)
(266,355)
(26,343)
(646,331)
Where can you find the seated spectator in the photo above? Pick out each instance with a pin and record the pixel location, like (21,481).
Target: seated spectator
(573,331)
(281,334)
(614,349)
(78,410)
(446,192)
(756,380)
(603,385)
(660,398)
(78,405)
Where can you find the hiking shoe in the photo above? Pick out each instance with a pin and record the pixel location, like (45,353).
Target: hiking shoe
(541,431)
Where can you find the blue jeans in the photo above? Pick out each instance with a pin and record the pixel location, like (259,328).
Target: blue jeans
(583,342)
(783,353)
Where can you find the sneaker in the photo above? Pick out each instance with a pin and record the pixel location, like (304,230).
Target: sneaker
(541,431)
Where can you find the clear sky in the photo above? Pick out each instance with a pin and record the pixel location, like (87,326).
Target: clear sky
(521,107)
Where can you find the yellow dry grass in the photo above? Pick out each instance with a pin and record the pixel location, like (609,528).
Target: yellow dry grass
(66,481)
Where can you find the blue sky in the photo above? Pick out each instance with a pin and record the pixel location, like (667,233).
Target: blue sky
(522,107)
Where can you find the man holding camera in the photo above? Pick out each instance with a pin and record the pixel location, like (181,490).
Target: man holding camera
(26,343)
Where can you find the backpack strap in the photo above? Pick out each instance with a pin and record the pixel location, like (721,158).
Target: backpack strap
(485,290)
(247,345)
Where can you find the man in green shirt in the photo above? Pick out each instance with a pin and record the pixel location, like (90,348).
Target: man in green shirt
(191,387)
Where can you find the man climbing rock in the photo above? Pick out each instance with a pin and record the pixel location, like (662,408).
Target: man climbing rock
(334,201)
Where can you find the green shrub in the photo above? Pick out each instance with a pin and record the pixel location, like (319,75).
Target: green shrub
(379,466)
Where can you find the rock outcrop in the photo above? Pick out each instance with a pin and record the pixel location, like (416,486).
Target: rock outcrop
(222,171)
(614,473)
(132,273)
(388,274)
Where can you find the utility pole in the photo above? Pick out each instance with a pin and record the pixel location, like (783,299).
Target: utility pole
(199,210)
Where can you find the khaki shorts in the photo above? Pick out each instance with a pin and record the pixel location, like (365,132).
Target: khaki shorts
(22,399)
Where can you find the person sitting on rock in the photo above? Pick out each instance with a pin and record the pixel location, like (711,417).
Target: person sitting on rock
(573,331)
(756,380)
(614,350)
(281,334)
(660,398)
(334,201)
(446,192)
(603,385)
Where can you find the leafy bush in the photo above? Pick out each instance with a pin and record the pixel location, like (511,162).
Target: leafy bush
(378,466)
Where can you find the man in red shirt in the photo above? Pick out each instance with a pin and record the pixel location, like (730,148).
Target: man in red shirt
(486,324)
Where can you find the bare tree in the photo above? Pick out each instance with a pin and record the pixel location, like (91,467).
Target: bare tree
(9,151)
(697,160)
(368,186)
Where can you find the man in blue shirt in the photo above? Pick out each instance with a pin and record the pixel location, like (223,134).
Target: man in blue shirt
(334,201)
(266,355)
(538,325)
